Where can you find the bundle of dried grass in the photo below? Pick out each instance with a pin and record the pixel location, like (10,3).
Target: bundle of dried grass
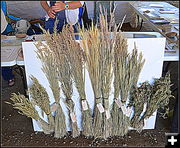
(120,54)
(75,56)
(120,127)
(156,96)
(27,108)
(126,73)
(120,121)
(129,69)
(91,45)
(138,98)
(107,46)
(41,99)
(49,67)
(72,115)
(160,95)
(60,125)
(58,44)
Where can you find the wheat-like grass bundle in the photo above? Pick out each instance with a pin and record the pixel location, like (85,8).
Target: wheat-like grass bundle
(129,67)
(27,108)
(23,104)
(60,125)
(107,50)
(120,54)
(91,45)
(106,62)
(75,56)
(58,44)
(71,52)
(66,76)
(120,126)
(41,99)
(49,67)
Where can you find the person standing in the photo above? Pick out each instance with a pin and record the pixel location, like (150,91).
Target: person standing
(66,12)
(6,71)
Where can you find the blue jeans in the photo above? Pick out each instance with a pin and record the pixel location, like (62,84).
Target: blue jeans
(7,73)
(49,25)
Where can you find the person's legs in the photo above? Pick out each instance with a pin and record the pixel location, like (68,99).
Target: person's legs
(49,25)
(60,26)
(75,27)
(8,75)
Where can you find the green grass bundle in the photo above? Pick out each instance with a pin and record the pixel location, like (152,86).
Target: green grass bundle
(156,96)
(27,108)
(40,98)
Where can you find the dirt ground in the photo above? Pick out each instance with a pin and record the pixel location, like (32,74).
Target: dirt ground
(17,130)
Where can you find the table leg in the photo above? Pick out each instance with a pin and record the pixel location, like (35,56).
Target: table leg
(140,27)
(23,77)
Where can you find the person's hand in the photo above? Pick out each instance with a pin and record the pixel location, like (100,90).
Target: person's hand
(58,6)
(51,13)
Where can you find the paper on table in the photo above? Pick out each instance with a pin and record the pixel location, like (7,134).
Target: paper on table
(176,27)
(166,12)
(156,5)
(145,9)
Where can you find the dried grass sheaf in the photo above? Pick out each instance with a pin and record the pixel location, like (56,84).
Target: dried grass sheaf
(76,59)
(98,45)
(27,108)
(91,44)
(49,67)
(40,98)
(127,68)
(108,34)
(58,44)
(156,95)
